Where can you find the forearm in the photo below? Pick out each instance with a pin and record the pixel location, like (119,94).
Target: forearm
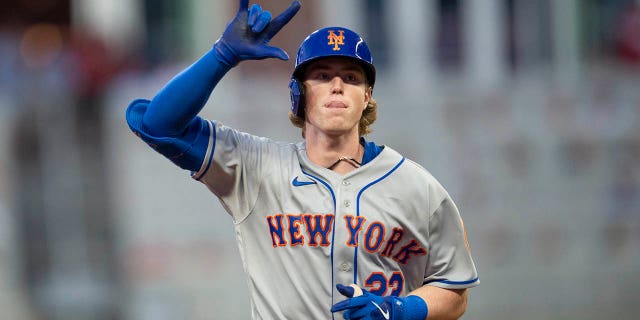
(246,37)
(177,104)
(443,303)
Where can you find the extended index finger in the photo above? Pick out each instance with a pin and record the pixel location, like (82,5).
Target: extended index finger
(244,5)
(278,22)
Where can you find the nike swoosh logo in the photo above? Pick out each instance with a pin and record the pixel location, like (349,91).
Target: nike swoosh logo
(385,314)
(297,183)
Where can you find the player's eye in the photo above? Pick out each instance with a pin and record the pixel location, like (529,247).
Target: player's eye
(323,76)
(318,75)
(353,78)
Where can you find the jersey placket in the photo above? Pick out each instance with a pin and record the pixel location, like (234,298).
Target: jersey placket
(343,250)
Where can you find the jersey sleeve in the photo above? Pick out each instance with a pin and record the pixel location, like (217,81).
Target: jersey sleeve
(236,163)
(187,150)
(450,263)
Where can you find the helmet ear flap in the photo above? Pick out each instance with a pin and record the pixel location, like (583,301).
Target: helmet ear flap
(296,91)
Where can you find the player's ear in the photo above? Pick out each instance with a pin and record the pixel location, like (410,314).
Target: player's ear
(367,96)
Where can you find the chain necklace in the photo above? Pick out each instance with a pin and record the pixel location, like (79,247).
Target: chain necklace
(350,160)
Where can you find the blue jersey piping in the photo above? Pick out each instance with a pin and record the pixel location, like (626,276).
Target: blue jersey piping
(355,256)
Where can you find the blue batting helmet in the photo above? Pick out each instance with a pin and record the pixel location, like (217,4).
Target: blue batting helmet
(328,42)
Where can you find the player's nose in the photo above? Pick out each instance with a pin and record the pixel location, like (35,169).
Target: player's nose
(337,85)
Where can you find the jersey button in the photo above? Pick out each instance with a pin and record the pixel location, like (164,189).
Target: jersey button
(345,266)
(347,203)
(346,183)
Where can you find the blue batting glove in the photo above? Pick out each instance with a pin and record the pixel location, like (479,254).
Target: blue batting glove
(369,306)
(247,36)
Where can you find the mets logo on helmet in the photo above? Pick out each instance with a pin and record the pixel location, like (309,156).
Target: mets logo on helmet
(336,39)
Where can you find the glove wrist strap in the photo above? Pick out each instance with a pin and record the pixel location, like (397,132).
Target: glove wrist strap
(409,308)
(225,54)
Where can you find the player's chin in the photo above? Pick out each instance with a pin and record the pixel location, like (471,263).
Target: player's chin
(337,131)
(334,125)
(344,118)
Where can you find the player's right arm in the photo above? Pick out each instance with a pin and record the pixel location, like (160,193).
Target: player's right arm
(169,122)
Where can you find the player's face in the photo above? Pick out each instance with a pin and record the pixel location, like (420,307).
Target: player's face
(336,94)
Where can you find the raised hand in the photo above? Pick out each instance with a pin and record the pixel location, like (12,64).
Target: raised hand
(247,36)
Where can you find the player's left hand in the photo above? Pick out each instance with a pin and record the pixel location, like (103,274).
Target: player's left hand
(362,306)
(365,305)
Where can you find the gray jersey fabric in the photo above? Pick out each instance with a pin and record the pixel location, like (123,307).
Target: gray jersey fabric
(388,226)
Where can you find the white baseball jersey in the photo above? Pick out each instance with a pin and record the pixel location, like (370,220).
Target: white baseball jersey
(387,226)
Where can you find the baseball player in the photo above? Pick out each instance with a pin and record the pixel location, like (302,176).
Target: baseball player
(334,226)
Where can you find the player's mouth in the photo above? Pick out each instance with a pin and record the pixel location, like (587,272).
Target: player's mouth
(336,105)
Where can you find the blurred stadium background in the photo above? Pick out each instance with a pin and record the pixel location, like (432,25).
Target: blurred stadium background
(527,111)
